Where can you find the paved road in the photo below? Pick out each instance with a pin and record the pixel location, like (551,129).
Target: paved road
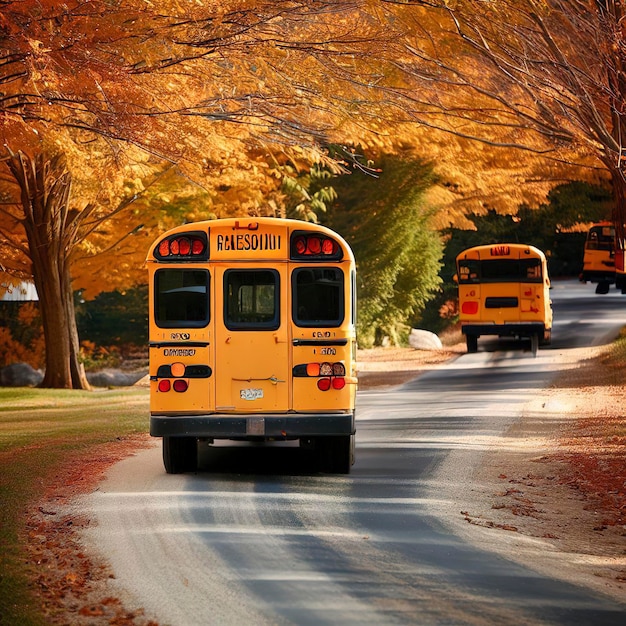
(256,537)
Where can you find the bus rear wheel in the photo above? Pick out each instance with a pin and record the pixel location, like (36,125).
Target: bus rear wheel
(472,343)
(534,344)
(180,454)
(335,455)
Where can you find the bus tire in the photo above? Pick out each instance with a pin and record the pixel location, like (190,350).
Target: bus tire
(472,343)
(603,287)
(180,454)
(547,338)
(534,344)
(335,455)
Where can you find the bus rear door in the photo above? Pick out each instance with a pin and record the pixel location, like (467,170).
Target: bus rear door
(251,331)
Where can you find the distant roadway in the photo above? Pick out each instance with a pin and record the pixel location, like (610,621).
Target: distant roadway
(257,537)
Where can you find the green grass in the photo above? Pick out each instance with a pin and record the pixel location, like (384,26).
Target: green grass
(39,430)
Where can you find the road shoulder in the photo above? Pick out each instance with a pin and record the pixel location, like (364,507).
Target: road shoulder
(550,493)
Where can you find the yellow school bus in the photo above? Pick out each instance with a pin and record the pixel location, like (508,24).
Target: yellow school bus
(504,291)
(252,337)
(599,256)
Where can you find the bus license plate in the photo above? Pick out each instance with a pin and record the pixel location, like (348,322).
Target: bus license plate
(251,394)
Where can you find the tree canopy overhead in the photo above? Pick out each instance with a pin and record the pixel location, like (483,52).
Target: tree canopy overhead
(86,85)
(545,76)
(98,98)
(148,72)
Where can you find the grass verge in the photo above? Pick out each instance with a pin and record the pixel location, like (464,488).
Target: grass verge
(40,431)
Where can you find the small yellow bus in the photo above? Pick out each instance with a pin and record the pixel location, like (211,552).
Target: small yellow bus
(252,337)
(599,256)
(504,291)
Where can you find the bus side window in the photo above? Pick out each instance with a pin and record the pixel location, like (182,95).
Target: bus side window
(318,296)
(181,298)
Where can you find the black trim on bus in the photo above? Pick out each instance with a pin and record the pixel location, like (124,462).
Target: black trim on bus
(508,329)
(191,371)
(277,426)
(501,303)
(179,344)
(320,342)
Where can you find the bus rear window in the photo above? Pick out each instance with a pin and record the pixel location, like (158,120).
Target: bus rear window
(601,238)
(251,299)
(500,271)
(181,298)
(318,296)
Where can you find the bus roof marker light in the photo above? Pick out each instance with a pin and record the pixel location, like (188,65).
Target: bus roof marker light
(164,248)
(197,246)
(188,245)
(300,245)
(314,245)
(329,246)
(184,245)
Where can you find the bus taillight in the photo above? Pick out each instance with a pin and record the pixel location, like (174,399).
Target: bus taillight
(328,374)
(323,384)
(470,307)
(180,385)
(314,246)
(339,382)
(192,246)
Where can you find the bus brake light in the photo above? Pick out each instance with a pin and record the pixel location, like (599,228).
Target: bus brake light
(180,385)
(470,307)
(329,375)
(323,384)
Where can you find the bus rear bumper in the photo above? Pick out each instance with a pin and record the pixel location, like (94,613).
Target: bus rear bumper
(253,426)
(513,329)
(596,276)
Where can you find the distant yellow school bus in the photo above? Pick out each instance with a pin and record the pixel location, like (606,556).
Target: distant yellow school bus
(504,291)
(252,337)
(599,256)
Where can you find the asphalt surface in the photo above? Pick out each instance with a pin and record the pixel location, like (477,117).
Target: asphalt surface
(258,537)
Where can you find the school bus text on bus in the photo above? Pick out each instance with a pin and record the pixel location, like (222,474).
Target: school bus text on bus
(252,337)
(504,291)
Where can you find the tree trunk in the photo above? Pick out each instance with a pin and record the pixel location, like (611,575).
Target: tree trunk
(45,188)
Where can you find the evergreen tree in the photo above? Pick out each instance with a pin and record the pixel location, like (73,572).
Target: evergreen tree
(398,253)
